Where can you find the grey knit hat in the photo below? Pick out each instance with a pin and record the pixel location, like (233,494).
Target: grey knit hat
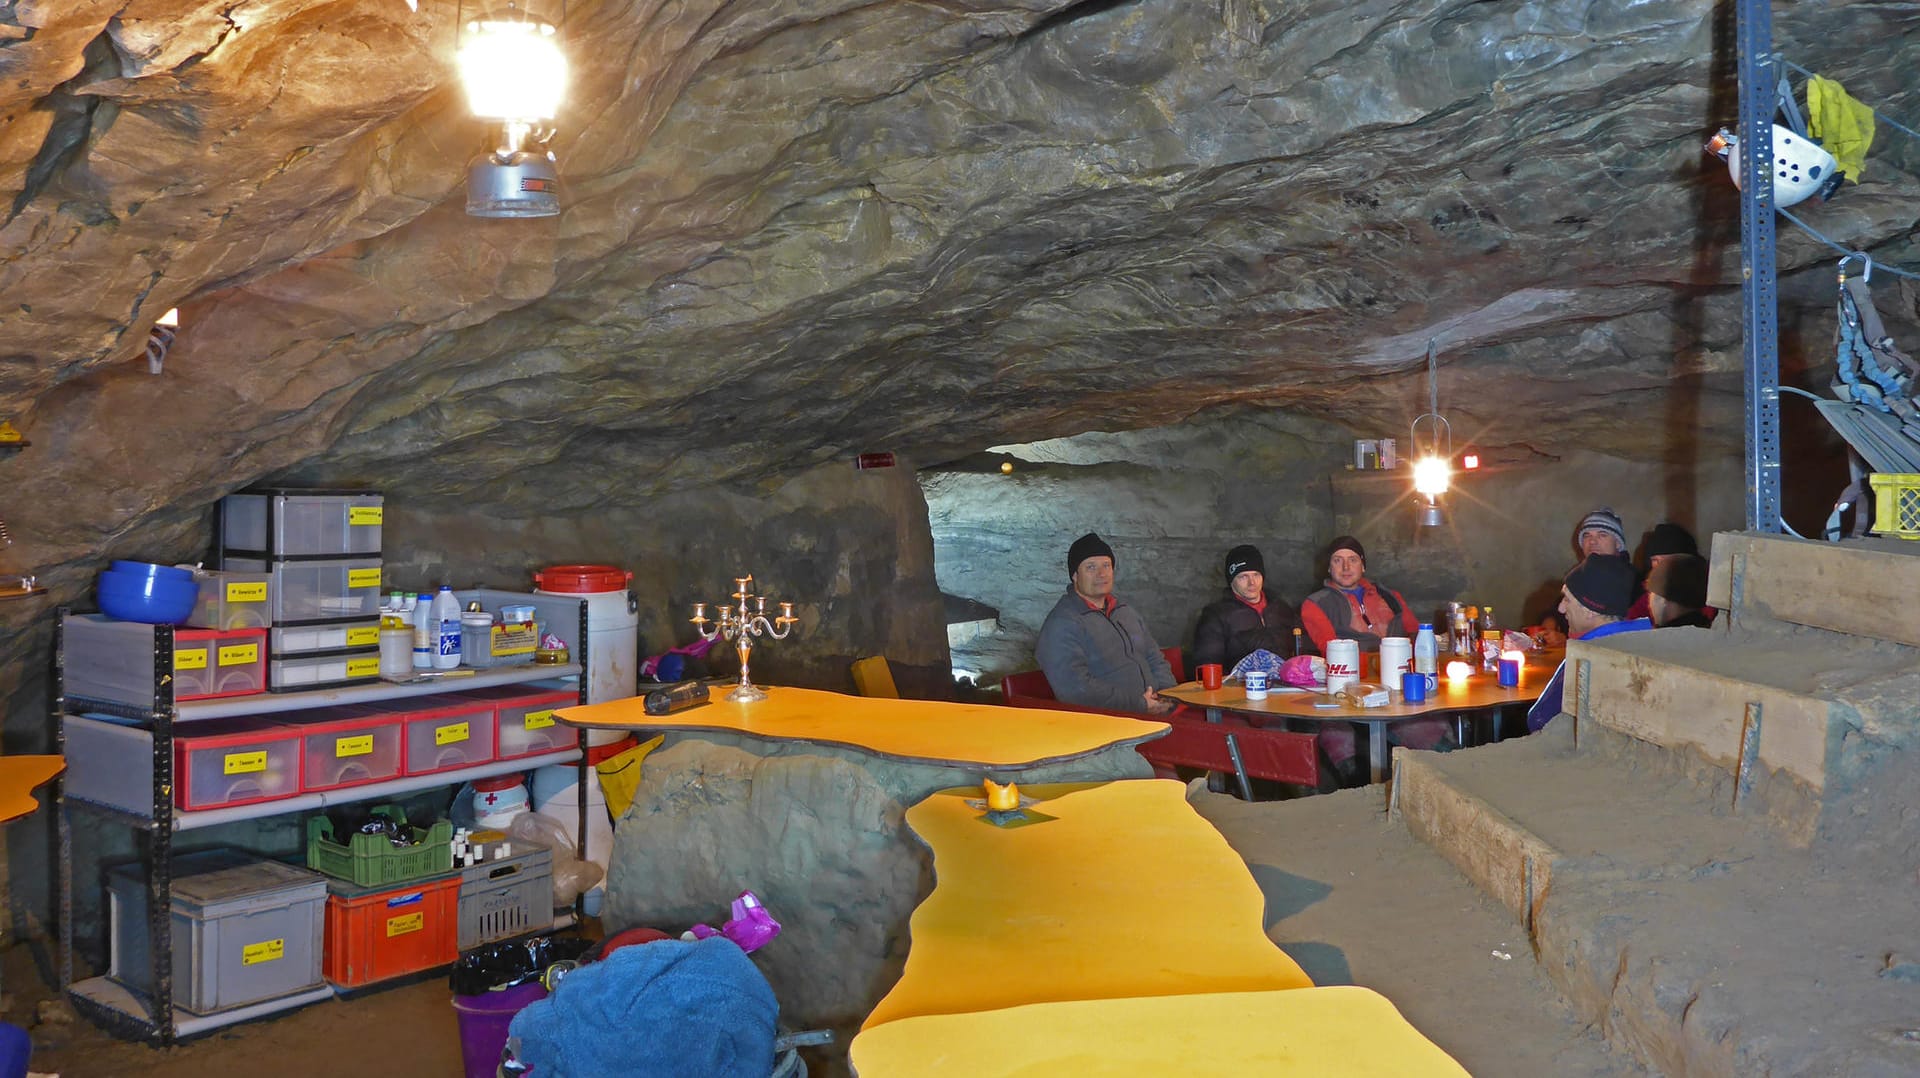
(1603,519)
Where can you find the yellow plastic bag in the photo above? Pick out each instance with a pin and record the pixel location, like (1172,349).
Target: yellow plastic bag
(620,774)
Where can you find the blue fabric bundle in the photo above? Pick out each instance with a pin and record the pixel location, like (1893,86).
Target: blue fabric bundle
(668,1009)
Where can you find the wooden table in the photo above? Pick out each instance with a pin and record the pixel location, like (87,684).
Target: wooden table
(1480,692)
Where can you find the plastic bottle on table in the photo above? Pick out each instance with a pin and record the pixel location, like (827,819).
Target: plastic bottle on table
(1426,650)
(446,619)
(425,632)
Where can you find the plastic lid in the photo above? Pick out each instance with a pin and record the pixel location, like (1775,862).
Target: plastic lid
(581,579)
(1426,625)
(496,783)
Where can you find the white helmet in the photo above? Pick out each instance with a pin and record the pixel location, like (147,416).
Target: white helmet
(1800,167)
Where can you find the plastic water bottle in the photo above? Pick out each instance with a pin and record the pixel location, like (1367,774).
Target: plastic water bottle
(446,617)
(1426,650)
(426,632)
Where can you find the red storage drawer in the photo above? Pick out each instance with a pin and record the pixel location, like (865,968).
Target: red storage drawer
(445,733)
(524,719)
(374,934)
(209,663)
(348,746)
(227,763)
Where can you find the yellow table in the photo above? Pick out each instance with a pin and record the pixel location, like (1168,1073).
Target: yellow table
(1347,1031)
(1128,892)
(19,776)
(923,731)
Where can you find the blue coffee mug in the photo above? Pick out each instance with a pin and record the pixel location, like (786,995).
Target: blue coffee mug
(1415,687)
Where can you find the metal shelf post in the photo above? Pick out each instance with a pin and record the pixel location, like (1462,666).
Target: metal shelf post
(1759,271)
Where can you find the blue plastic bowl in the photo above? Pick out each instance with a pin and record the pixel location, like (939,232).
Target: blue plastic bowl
(150,569)
(154,600)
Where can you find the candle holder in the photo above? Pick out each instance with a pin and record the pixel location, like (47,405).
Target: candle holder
(740,622)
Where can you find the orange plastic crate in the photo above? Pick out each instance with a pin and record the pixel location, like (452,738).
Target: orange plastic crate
(377,934)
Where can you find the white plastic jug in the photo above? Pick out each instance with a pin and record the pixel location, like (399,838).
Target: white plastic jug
(613,631)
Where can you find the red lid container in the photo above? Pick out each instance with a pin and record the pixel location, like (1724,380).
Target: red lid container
(581,579)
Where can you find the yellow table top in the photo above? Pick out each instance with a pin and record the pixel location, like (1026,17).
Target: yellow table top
(1128,892)
(19,776)
(1481,690)
(1002,738)
(1349,1031)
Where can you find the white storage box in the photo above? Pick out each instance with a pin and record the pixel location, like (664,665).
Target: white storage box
(287,523)
(322,671)
(324,590)
(232,600)
(286,642)
(245,930)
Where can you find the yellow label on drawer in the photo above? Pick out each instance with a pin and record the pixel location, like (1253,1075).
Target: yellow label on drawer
(539,720)
(363,578)
(365,514)
(451,734)
(255,592)
(363,635)
(353,746)
(405,923)
(367,667)
(245,763)
(190,659)
(239,654)
(265,951)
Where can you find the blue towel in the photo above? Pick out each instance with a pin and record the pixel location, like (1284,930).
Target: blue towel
(667,1009)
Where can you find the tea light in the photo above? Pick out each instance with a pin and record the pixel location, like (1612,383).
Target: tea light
(1459,672)
(1510,664)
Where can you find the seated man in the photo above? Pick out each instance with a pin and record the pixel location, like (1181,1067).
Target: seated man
(1095,651)
(1677,592)
(1247,619)
(1594,598)
(1601,532)
(1666,542)
(1351,607)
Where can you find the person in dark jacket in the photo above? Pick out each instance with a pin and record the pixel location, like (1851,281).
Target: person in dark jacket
(1666,542)
(1595,598)
(1095,651)
(1677,588)
(1248,618)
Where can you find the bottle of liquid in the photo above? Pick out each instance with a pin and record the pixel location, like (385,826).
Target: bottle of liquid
(446,619)
(425,632)
(1299,644)
(1426,650)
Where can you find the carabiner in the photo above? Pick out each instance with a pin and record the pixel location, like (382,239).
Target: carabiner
(1866,275)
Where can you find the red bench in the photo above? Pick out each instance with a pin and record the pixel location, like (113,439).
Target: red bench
(1243,751)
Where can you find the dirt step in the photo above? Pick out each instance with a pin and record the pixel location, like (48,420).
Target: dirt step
(1356,900)
(1694,938)
(1846,587)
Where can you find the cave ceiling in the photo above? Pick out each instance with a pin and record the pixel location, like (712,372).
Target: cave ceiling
(795,231)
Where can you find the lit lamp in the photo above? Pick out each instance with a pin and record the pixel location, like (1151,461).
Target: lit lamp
(1431,458)
(515,73)
(1459,672)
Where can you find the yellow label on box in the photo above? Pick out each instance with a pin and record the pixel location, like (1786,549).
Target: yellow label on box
(239,654)
(245,763)
(367,667)
(405,923)
(353,746)
(513,640)
(365,514)
(363,578)
(265,951)
(255,592)
(539,720)
(451,734)
(190,659)
(363,635)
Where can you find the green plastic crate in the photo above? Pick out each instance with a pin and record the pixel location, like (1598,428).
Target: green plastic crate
(370,860)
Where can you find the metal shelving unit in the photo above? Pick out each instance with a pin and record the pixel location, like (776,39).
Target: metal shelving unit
(128,1014)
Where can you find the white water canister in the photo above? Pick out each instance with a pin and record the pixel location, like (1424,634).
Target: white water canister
(613,631)
(497,800)
(1343,664)
(1396,658)
(556,795)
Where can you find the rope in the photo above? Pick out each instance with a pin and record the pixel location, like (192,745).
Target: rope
(1877,114)
(1818,235)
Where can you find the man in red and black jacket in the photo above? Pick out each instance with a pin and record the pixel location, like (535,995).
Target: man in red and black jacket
(1351,607)
(1248,618)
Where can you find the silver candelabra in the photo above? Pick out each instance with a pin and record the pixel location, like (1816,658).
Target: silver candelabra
(741,624)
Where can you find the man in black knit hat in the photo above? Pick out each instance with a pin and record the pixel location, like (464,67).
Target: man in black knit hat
(1595,599)
(1094,649)
(1248,618)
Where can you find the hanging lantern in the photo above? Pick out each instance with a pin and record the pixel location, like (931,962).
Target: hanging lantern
(1433,453)
(514,73)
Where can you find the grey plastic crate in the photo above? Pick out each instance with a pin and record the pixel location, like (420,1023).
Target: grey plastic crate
(245,929)
(332,523)
(506,897)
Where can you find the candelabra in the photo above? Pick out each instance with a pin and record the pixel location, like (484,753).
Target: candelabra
(741,625)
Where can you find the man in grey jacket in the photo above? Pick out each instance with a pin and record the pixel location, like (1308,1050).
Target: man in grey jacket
(1095,651)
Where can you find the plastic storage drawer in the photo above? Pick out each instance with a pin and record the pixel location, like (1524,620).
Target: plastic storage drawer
(305,523)
(232,600)
(322,671)
(328,590)
(245,930)
(509,896)
(375,935)
(226,763)
(445,733)
(214,662)
(525,720)
(292,641)
(347,746)
(372,861)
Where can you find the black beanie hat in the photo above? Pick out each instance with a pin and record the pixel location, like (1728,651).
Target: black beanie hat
(1346,542)
(1681,581)
(1245,558)
(1087,546)
(1604,584)
(1670,538)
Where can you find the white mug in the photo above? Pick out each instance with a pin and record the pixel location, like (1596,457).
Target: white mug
(1256,684)
(1396,658)
(1343,664)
